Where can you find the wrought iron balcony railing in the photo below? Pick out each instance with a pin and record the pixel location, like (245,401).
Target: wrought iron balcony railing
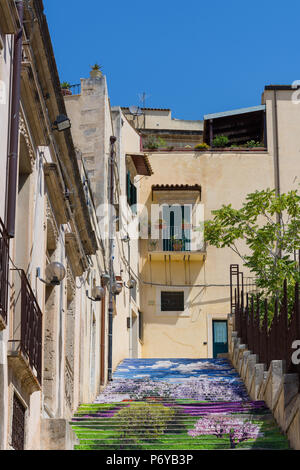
(25,349)
(4,265)
(177,239)
(31,327)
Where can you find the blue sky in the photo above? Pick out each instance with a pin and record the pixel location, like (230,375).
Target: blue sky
(192,56)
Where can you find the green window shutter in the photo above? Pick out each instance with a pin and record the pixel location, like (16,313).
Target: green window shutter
(128,187)
(133,197)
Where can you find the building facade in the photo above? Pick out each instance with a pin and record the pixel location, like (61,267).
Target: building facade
(184,283)
(52,329)
(102,253)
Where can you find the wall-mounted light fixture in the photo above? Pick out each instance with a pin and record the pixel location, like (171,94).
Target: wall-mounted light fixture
(97,294)
(55,273)
(116,288)
(131,283)
(62,123)
(105,279)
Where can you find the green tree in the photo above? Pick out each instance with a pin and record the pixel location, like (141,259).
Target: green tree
(270,226)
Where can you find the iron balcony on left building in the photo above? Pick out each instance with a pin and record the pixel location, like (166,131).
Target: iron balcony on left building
(25,347)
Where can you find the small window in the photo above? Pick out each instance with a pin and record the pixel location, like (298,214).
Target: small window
(131,193)
(172,301)
(141,329)
(18,424)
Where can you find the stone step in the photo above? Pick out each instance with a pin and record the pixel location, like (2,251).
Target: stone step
(183,400)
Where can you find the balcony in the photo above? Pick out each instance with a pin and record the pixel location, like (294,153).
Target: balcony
(4,263)
(25,350)
(177,244)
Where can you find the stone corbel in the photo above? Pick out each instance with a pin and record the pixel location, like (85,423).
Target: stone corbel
(52,229)
(23,129)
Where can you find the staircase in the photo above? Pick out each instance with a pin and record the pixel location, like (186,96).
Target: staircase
(176,404)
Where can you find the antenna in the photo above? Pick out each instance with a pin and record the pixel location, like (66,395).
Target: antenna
(142,97)
(135,110)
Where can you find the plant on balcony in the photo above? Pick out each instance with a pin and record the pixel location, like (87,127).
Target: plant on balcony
(153,245)
(253,143)
(65,88)
(220,141)
(202,146)
(177,243)
(154,143)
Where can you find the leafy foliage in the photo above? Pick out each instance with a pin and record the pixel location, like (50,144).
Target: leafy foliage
(202,146)
(270,226)
(220,141)
(154,143)
(97,67)
(65,85)
(253,143)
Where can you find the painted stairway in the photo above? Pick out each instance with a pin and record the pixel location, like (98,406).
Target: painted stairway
(176,404)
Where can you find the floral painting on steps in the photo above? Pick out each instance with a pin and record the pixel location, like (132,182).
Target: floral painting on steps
(176,404)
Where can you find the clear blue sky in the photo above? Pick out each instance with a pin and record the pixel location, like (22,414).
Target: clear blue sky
(192,56)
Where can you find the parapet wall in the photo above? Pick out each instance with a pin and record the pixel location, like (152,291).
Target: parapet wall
(279,390)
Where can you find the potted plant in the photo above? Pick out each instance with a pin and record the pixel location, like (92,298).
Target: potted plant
(65,88)
(96,71)
(153,245)
(176,243)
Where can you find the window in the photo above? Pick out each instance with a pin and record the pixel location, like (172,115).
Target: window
(18,424)
(172,301)
(131,193)
(141,330)
(177,233)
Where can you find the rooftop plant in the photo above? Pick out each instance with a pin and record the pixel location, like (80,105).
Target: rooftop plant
(153,142)
(253,143)
(220,141)
(65,85)
(96,67)
(202,146)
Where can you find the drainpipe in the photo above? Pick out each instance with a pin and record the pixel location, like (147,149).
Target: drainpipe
(102,347)
(111,244)
(130,310)
(14,127)
(276,159)
(276,147)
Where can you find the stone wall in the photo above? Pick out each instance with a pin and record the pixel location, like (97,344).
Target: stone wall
(278,389)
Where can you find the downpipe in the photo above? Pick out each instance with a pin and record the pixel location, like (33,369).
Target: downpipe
(111,269)
(11,196)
